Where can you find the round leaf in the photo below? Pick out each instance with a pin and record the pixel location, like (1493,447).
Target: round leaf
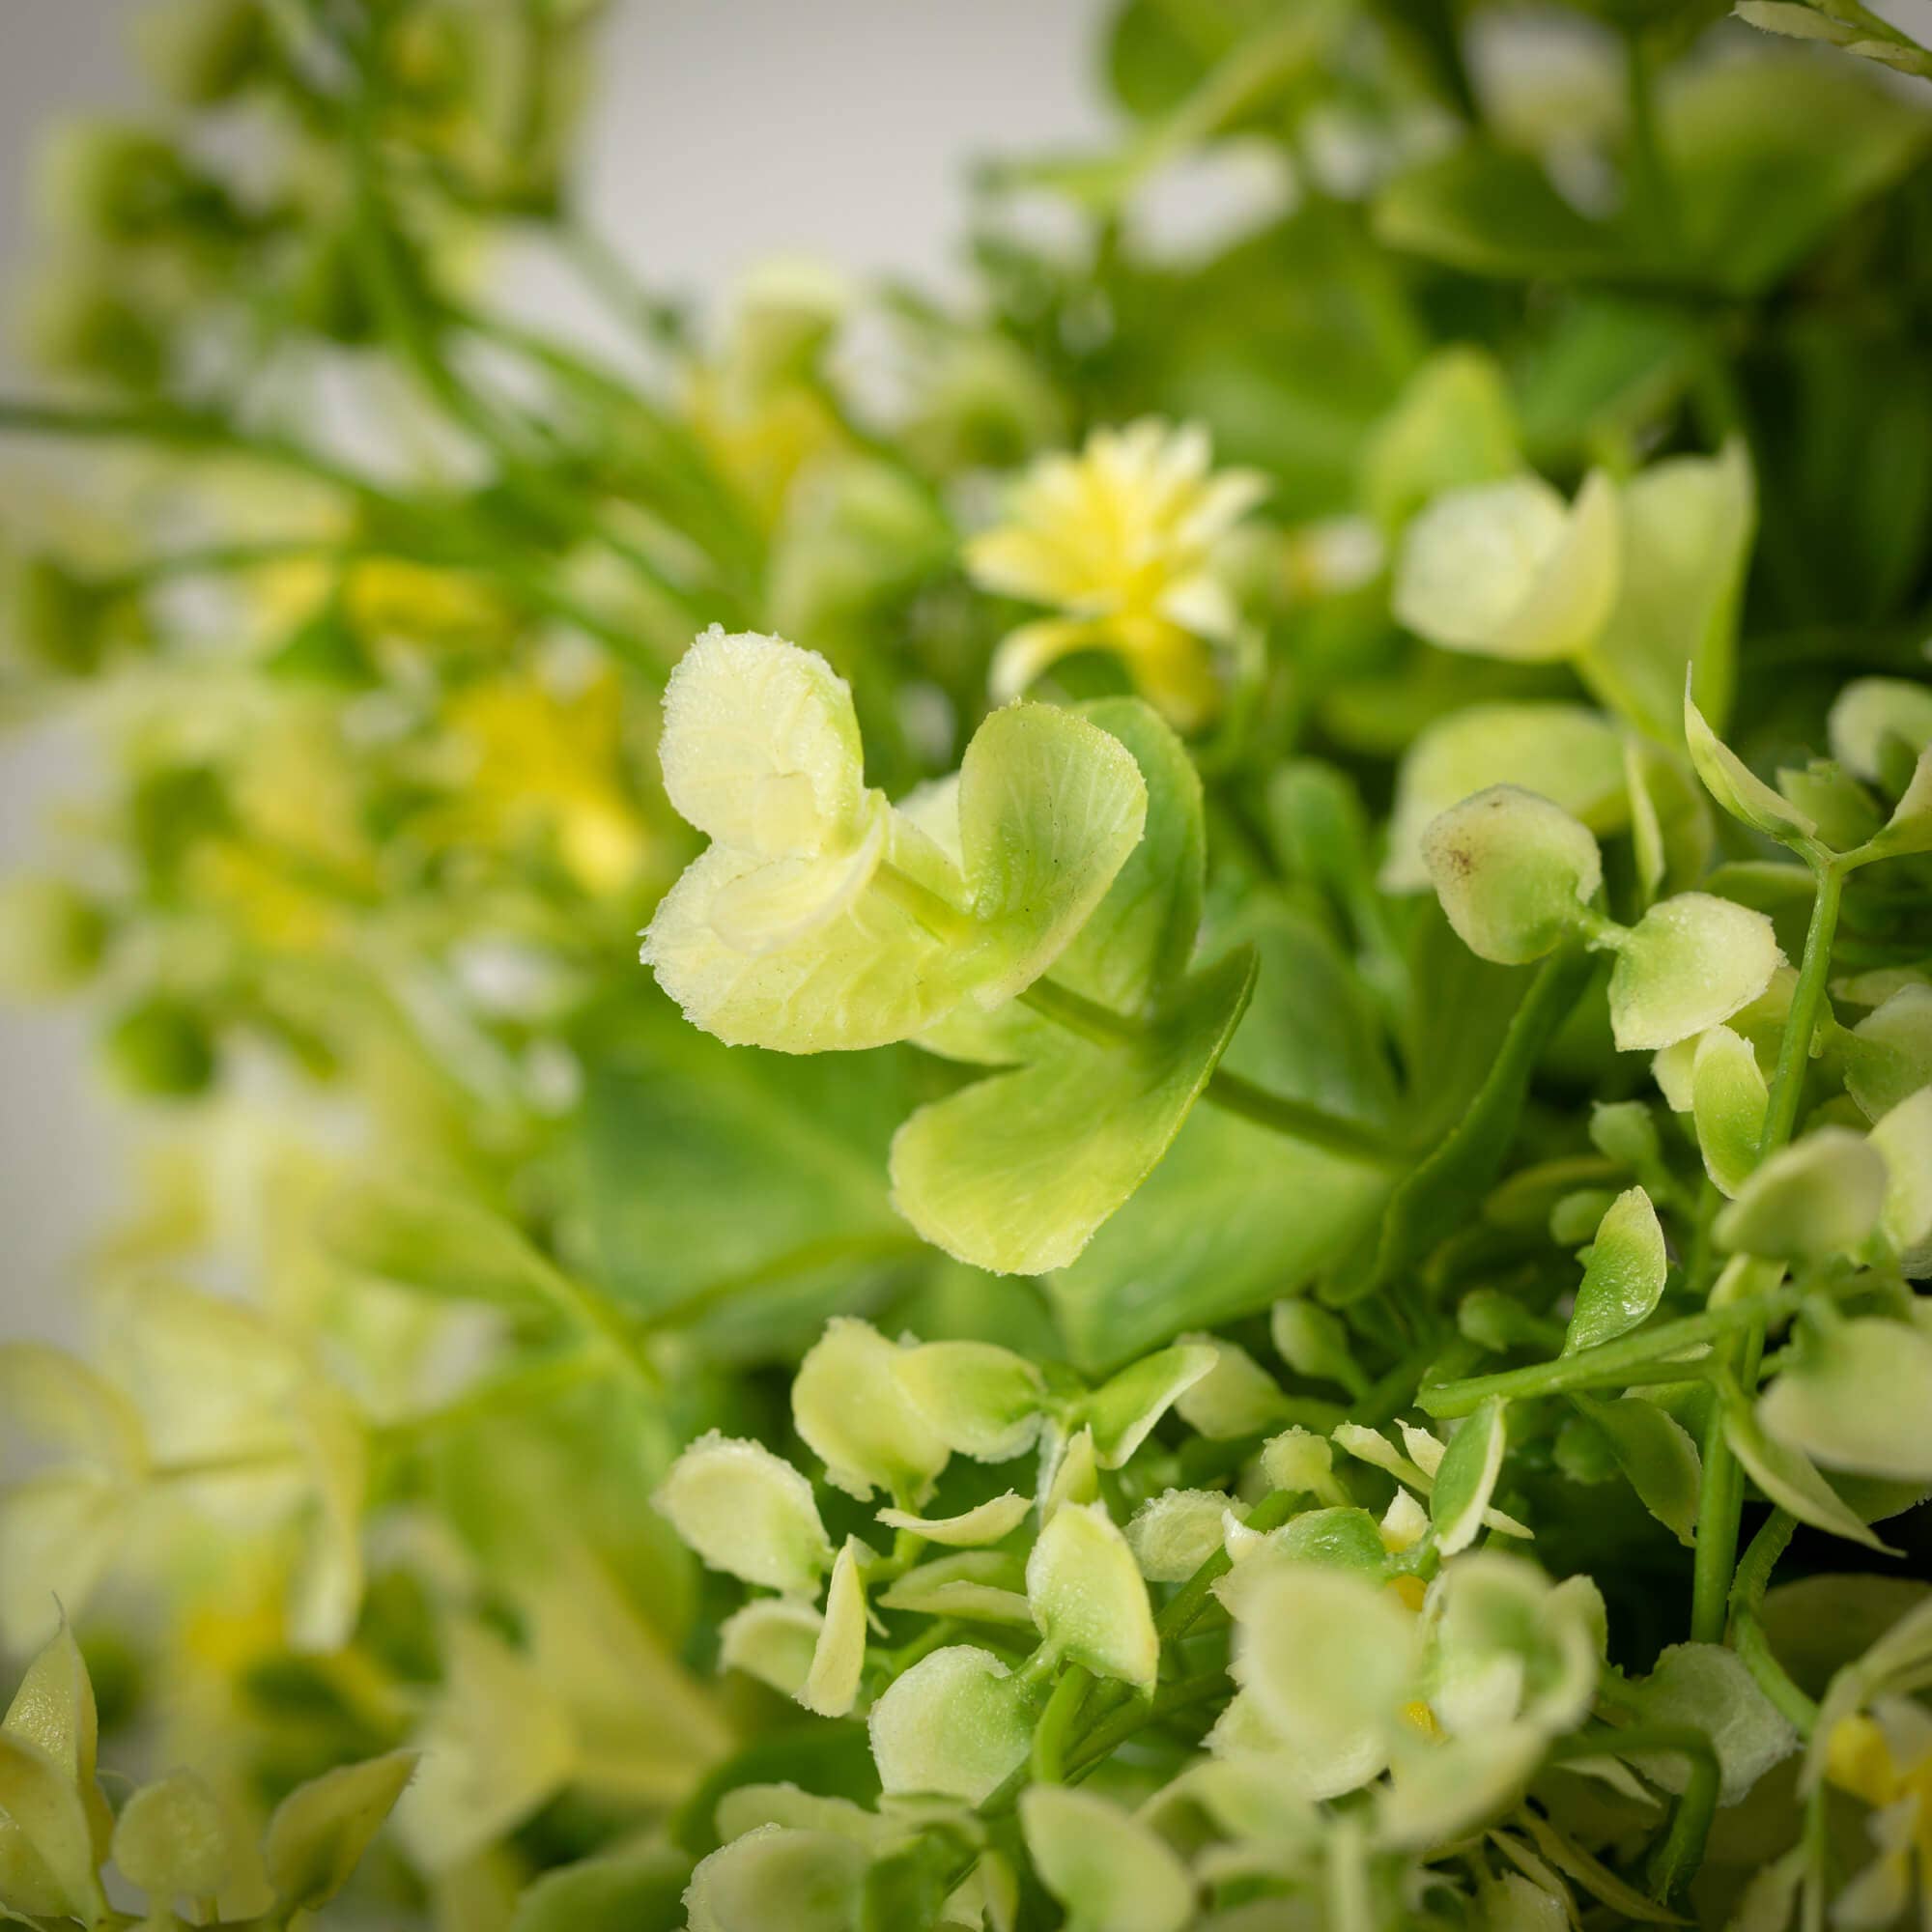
(1513,871)
(1690,963)
(953,1724)
(748,1512)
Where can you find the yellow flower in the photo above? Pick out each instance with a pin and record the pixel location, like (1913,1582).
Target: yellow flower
(1122,540)
(1885,1757)
(547,763)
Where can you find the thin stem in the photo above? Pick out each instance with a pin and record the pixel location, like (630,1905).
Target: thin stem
(1800,1024)
(1295,1120)
(1748,1634)
(1056,1723)
(1653,197)
(1608,1360)
(1103,1740)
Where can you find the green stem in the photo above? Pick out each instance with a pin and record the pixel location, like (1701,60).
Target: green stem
(1748,1635)
(1653,198)
(1295,1120)
(1721,1505)
(1055,1722)
(1103,1740)
(1608,1361)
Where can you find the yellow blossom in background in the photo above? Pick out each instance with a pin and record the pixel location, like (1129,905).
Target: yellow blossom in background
(539,762)
(1885,1757)
(1122,540)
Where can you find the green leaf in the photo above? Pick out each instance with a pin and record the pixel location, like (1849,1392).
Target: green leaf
(1791,1479)
(747,1512)
(1768,156)
(1821,1196)
(1908,832)
(1903,1138)
(47,1856)
(621,1891)
(1123,1413)
(1569,755)
(171,1840)
(1235,1398)
(434,1244)
(1878,723)
(1872,39)
(1728,1102)
(1689,963)
(773,1640)
(1509,570)
(805,1880)
(679,1131)
(1623,1279)
(1015,1174)
(1466,1477)
(990,1522)
(1134,947)
(1856,1395)
(983,1400)
(1174,1533)
(853,1411)
(1707,1688)
(1329,1658)
(831,1686)
(1110,1871)
(953,1724)
(1738,788)
(1088,1598)
(1889,1054)
(1657,1456)
(321,1829)
(1452,426)
(1687,525)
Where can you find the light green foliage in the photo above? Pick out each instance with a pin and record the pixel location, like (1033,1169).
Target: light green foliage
(991,1388)
(1687,525)
(852,1409)
(818,918)
(1821,1196)
(1111,1873)
(1088,1598)
(832,1683)
(1465,1478)
(1856,1395)
(1690,962)
(1729,1098)
(1707,1686)
(747,1512)
(1509,570)
(1563,753)
(1513,871)
(1623,1279)
(1327,1660)
(953,1724)
(1174,1533)
(321,1829)
(1015,1175)
(1738,788)
(170,1839)
(776,1876)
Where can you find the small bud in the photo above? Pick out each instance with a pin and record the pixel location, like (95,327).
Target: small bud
(78,323)
(114,184)
(203,52)
(1515,873)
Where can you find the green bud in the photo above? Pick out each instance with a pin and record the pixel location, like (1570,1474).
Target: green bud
(1314,1342)
(163,1049)
(1625,1131)
(203,52)
(51,936)
(1515,873)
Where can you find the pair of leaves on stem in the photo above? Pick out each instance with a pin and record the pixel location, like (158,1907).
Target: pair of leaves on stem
(823,916)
